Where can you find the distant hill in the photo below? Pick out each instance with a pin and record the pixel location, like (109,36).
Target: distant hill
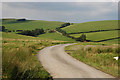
(95,31)
(15,24)
(23,24)
(92,26)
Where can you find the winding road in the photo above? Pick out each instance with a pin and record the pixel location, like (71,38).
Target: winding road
(60,65)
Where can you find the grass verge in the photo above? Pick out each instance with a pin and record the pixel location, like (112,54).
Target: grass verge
(98,56)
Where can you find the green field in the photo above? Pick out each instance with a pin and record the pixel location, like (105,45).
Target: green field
(47,36)
(12,24)
(19,51)
(97,36)
(55,36)
(92,26)
(21,61)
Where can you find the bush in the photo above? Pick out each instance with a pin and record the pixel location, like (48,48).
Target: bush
(4,41)
(51,31)
(3,29)
(82,38)
(89,49)
(33,32)
(21,20)
(108,50)
(100,51)
(19,30)
(64,25)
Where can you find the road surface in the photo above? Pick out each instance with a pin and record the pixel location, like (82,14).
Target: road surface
(60,65)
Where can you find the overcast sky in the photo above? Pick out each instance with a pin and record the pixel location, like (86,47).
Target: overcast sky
(75,12)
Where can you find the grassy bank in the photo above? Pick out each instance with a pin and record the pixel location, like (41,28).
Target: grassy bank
(19,56)
(98,55)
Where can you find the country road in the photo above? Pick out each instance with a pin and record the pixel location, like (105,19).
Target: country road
(60,65)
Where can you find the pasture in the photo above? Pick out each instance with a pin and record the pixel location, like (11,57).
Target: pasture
(97,36)
(56,36)
(12,24)
(92,26)
(21,60)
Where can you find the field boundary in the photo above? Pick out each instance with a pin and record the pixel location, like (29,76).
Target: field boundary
(94,31)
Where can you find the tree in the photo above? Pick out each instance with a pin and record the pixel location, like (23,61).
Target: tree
(2,28)
(33,32)
(82,38)
(64,25)
(21,20)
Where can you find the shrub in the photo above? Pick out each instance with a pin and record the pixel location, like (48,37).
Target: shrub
(99,51)
(4,41)
(33,32)
(82,38)
(64,25)
(108,50)
(89,49)
(19,30)
(21,20)
(3,29)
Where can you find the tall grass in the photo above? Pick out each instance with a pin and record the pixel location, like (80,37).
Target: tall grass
(100,57)
(20,61)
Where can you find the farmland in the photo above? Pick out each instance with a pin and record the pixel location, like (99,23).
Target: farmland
(92,26)
(97,31)
(24,48)
(103,45)
(21,61)
(55,36)
(12,24)
(97,36)
(47,36)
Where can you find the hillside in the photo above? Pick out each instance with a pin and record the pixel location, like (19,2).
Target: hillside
(55,36)
(20,51)
(13,24)
(98,31)
(92,26)
(95,31)
(97,36)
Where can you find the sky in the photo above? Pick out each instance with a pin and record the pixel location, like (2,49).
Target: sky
(74,12)
(59,0)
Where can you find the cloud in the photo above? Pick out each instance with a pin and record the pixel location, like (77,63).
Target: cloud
(59,0)
(61,11)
